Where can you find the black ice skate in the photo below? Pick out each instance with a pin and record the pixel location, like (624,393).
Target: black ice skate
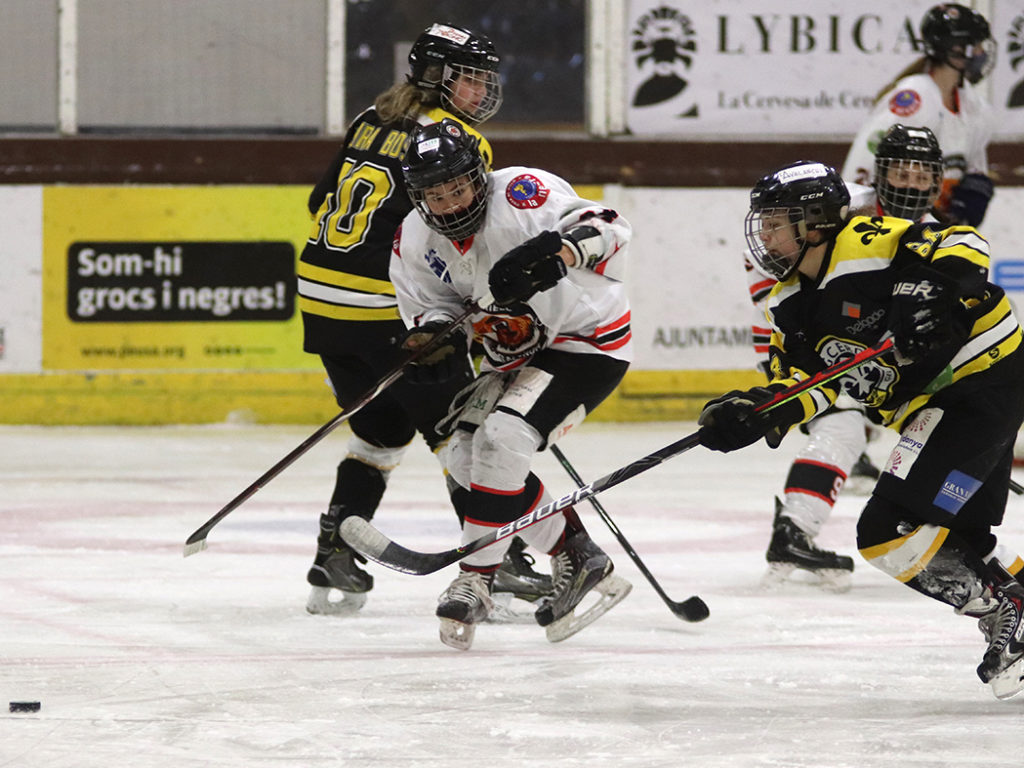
(791,548)
(1002,666)
(465,603)
(516,577)
(863,476)
(579,567)
(334,568)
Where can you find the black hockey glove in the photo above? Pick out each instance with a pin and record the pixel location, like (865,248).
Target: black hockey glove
(444,363)
(970,199)
(526,269)
(921,313)
(730,422)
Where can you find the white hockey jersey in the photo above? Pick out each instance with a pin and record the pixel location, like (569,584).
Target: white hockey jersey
(916,101)
(587,311)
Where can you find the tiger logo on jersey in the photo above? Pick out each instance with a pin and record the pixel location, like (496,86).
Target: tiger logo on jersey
(509,338)
(526,191)
(869,383)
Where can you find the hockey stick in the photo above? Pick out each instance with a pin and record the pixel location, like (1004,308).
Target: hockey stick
(197,541)
(691,609)
(370,542)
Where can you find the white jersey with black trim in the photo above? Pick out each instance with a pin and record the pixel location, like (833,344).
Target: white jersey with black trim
(916,101)
(586,312)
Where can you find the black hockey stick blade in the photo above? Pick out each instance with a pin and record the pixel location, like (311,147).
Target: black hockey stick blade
(1016,487)
(197,541)
(691,609)
(371,543)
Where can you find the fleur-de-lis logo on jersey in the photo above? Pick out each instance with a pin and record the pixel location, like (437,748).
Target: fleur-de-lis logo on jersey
(870,230)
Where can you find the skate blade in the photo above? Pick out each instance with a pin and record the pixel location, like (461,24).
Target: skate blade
(319,602)
(611,591)
(1009,682)
(457,635)
(827,579)
(503,611)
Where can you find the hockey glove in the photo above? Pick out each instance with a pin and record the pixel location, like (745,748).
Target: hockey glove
(730,422)
(526,269)
(445,362)
(921,313)
(970,199)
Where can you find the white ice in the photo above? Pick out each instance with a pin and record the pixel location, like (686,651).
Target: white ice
(143,658)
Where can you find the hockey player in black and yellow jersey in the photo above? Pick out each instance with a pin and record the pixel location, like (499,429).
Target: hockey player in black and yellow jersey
(349,311)
(952,389)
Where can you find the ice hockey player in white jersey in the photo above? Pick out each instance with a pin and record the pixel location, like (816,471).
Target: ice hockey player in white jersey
(553,325)
(937,91)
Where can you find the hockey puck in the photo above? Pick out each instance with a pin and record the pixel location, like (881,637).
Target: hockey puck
(25,706)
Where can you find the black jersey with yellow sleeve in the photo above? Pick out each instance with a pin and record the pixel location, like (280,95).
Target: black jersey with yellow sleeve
(356,208)
(845,309)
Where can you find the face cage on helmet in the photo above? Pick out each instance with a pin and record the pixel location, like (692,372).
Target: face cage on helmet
(906,202)
(457,225)
(981,60)
(767,255)
(471,79)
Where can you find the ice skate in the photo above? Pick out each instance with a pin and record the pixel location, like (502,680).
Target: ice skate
(580,566)
(465,603)
(1002,666)
(334,570)
(516,577)
(791,549)
(863,476)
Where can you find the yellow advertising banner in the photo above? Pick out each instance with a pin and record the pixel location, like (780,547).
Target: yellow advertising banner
(196,278)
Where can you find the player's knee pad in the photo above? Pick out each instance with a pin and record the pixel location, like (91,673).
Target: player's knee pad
(384,459)
(503,448)
(836,439)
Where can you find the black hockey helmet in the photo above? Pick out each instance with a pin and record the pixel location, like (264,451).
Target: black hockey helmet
(444,54)
(785,206)
(908,171)
(438,154)
(950,28)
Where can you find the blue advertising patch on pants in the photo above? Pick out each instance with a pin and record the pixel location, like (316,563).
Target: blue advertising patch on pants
(956,490)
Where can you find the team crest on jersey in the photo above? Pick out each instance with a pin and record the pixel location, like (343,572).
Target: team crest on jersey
(508,337)
(526,191)
(437,266)
(868,383)
(905,102)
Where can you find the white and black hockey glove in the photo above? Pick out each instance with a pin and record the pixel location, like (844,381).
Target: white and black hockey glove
(526,269)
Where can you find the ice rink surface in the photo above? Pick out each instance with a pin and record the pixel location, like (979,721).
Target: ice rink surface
(144,658)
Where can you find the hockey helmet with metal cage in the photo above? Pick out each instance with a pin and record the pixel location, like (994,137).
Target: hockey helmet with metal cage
(447,178)
(787,205)
(444,56)
(908,171)
(953,29)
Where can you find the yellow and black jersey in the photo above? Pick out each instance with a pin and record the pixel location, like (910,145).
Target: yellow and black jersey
(845,309)
(356,209)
